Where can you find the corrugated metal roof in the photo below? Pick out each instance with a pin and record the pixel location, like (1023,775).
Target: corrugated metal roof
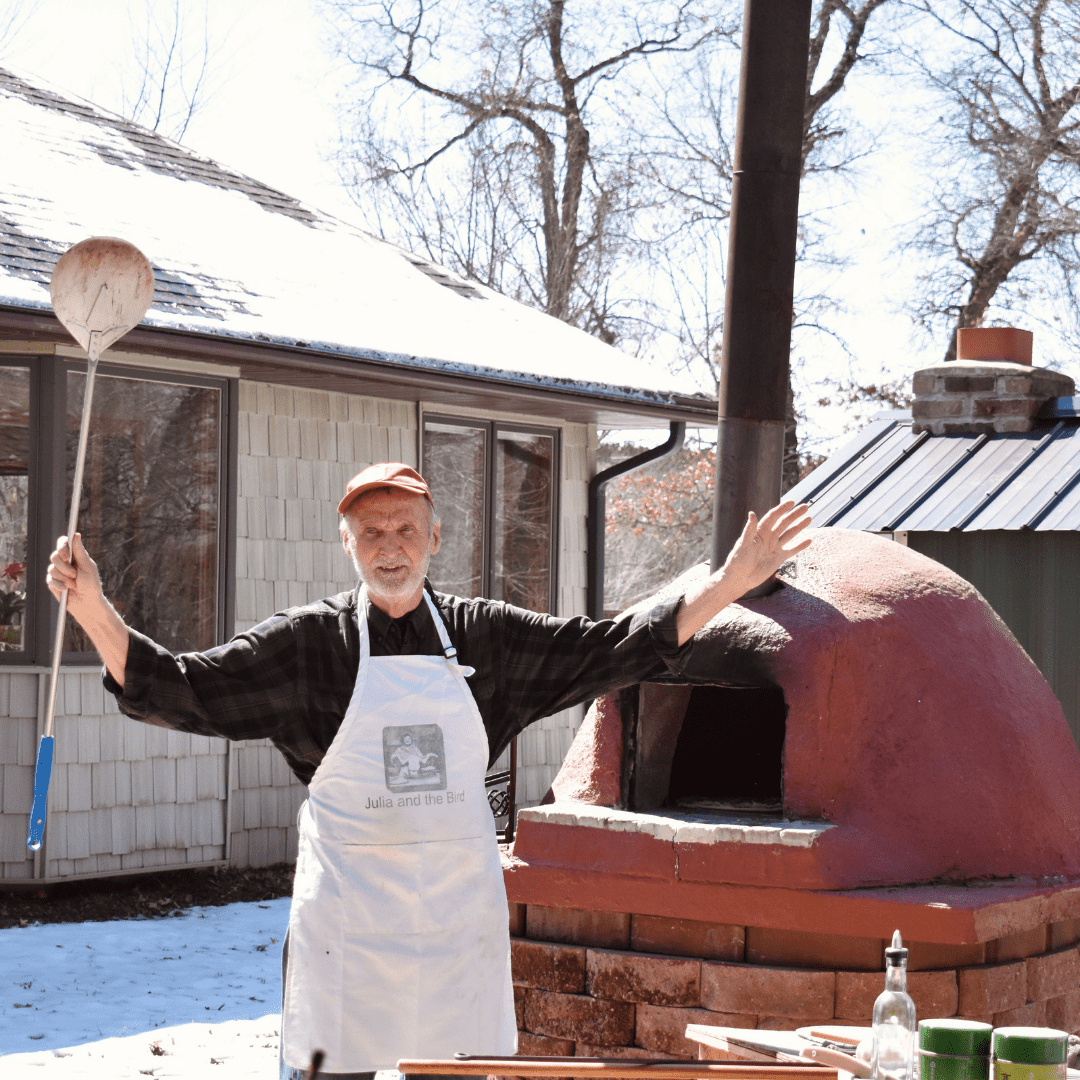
(891,480)
(236,259)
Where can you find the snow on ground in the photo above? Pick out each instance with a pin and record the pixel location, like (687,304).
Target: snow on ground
(95,998)
(247,1048)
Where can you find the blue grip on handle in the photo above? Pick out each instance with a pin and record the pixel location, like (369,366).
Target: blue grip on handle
(41,793)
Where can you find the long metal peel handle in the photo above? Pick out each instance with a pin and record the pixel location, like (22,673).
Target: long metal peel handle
(45,750)
(41,793)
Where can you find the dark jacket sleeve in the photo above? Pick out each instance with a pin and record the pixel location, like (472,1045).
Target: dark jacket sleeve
(288,679)
(589,658)
(529,665)
(241,690)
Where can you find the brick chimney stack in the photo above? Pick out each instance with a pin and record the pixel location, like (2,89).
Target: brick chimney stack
(989,387)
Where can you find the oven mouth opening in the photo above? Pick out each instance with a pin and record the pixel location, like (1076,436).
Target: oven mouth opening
(706,747)
(730,751)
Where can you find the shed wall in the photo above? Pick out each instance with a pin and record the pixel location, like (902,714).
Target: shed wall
(1032,580)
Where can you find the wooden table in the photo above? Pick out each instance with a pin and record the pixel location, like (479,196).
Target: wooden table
(615,1068)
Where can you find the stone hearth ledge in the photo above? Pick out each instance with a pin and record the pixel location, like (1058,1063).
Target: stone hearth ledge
(592,858)
(682,826)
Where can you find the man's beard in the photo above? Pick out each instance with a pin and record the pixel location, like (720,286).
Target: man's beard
(393,588)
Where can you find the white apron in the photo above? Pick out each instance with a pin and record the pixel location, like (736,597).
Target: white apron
(398,933)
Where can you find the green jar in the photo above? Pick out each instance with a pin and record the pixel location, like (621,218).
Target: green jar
(1030,1053)
(954,1050)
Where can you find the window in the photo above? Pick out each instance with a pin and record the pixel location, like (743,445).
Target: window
(455,466)
(14,504)
(149,511)
(153,510)
(495,491)
(495,488)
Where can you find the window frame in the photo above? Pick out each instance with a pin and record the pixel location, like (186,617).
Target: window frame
(35,569)
(47,511)
(493,428)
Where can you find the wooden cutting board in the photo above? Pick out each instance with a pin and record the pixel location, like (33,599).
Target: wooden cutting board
(750,1044)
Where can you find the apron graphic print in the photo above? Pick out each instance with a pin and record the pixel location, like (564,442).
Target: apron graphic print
(414,758)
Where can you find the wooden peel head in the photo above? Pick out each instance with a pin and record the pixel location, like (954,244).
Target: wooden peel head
(100,289)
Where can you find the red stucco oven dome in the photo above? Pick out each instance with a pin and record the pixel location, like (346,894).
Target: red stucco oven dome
(916,726)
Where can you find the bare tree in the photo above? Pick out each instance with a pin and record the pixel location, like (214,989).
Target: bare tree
(489,137)
(1009,210)
(690,142)
(827,149)
(824,129)
(175,66)
(14,16)
(659,520)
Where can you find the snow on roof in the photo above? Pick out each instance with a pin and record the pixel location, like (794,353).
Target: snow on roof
(235,258)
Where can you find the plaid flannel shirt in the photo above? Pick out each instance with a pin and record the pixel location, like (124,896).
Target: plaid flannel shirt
(290,678)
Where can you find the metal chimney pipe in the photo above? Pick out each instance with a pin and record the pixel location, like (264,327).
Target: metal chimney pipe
(761,265)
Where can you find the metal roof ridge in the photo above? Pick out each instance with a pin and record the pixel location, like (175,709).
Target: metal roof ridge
(1060,408)
(856,449)
(1059,493)
(892,466)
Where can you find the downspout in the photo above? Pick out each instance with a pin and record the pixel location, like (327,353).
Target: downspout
(596,520)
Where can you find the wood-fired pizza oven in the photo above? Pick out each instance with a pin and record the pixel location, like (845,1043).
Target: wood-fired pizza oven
(865,749)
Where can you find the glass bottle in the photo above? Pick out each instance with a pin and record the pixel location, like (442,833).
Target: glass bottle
(894,1019)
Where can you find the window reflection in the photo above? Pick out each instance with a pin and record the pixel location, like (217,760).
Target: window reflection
(521,573)
(454,467)
(149,508)
(494,490)
(14,475)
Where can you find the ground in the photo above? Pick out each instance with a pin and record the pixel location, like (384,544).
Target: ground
(85,989)
(169,995)
(143,895)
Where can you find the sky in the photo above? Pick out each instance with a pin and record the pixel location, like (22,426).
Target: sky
(275,118)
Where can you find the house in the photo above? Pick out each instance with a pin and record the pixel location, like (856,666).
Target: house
(982,475)
(283,352)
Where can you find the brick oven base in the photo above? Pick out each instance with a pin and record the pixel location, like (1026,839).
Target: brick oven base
(610,983)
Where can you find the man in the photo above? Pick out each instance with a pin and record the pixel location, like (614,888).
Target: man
(398,942)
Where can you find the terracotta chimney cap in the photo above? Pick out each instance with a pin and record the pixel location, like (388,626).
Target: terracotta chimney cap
(994,343)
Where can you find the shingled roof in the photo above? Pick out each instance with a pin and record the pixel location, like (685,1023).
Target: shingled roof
(236,259)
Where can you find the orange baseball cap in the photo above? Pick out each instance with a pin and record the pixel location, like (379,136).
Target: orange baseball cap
(392,474)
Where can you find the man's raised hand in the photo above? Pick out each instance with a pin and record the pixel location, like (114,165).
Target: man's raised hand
(766,544)
(87,604)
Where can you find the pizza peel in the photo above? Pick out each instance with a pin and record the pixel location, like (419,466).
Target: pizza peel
(100,289)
